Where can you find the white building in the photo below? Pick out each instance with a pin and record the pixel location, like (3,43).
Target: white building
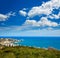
(7,42)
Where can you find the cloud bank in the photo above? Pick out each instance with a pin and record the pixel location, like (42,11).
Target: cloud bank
(46,8)
(43,22)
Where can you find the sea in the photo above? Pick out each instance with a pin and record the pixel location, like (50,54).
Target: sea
(39,42)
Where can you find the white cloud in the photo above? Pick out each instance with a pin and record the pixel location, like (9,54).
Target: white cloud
(11,14)
(4,17)
(30,22)
(43,22)
(45,8)
(23,13)
(54,16)
(55,4)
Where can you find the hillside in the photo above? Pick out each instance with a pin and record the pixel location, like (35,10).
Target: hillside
(28,52)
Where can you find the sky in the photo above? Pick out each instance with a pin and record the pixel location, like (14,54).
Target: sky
(30,18)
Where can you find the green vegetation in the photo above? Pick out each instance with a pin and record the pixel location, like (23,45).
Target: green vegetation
(28,52)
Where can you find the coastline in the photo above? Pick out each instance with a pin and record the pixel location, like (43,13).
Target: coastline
(23,51)
(37,42)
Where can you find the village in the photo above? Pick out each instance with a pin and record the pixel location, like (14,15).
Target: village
(8,42)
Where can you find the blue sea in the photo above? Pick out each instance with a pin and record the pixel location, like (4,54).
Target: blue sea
(42,42)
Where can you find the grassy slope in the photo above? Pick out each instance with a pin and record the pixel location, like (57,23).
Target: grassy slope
(28,52)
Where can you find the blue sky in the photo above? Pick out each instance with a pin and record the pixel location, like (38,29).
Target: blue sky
(30,18)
